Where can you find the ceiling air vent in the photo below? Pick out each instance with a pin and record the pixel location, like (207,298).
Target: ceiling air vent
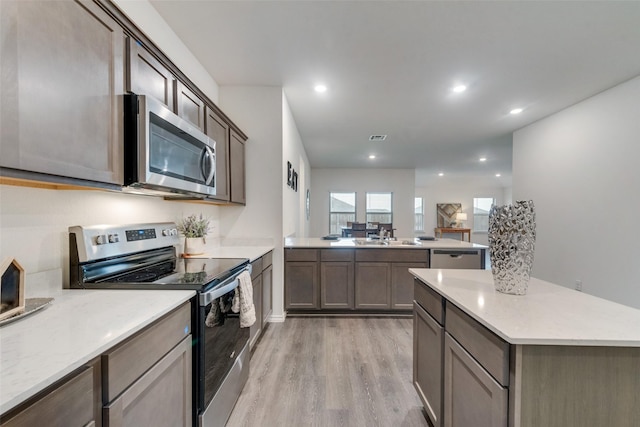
(377,137)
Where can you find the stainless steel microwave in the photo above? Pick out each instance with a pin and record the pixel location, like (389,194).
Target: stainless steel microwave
(165,153)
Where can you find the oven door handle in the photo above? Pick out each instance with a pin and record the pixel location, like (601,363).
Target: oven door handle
(228,285)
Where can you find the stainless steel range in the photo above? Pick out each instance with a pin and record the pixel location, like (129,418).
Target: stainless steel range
(143,256)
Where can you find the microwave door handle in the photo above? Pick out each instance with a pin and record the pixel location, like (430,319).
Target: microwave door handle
(210,154)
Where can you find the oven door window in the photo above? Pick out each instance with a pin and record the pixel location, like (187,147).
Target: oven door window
(223,341)
(174,153)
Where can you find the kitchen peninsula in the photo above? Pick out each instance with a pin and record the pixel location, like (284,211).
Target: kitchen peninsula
(552,357)
(365,276)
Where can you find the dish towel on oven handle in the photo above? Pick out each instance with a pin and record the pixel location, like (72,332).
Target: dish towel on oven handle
(243,300)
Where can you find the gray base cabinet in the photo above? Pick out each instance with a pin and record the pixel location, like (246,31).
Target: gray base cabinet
(262,280)
(460,370)
(161,397)
(373,285)
(471,396)
(74,401)
(336,279)
(147,379)
(301,280)
(344,279)
(427,363)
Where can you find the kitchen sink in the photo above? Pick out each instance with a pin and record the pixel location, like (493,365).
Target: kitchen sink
(376,242)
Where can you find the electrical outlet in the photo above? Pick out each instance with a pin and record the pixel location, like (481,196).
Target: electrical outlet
(579,285)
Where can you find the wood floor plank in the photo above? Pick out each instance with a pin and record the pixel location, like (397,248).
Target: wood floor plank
(314,371)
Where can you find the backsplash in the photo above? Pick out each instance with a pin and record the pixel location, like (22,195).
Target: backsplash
(34,224)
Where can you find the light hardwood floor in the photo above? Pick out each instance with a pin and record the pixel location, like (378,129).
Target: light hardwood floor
(313,371)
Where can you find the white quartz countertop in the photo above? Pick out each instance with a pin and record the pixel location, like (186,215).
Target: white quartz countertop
(79,325)
(251,252)
(350,242)
(548,314)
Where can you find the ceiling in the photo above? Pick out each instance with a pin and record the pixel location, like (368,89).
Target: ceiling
(390,66)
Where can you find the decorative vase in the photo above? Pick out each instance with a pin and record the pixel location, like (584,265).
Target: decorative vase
(512,238)
(194,245)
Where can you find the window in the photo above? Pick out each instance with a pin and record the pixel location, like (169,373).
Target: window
(379,208)
(481,207)
(342,209)
(418,214)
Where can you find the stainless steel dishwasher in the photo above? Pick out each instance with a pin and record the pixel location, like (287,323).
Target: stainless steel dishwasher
(457,258)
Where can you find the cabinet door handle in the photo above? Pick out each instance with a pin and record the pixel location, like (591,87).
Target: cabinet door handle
(233,354)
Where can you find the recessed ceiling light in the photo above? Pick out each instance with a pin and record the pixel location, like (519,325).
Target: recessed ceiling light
(516,111)
(498,175)
(372,156)
(459,88)
(320,88)
(482,159)
(441,174)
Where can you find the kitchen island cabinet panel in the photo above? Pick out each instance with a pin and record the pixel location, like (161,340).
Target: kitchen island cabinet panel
(428,363)
(471,396)
(62,73)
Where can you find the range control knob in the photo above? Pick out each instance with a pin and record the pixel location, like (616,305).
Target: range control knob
(174,231)
(101,239)
(113,238)
(166,232)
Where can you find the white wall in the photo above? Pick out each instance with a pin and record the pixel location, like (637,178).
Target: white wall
(263,114)
(156,28)
(463,193)
(401,182)
(34,222)
(580,167)
(294,218)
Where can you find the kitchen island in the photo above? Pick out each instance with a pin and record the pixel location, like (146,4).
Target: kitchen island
(364,276)
(553,357)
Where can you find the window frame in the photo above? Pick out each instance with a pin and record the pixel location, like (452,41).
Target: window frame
(331,213)
(481,218)
(417,229)
(366,207)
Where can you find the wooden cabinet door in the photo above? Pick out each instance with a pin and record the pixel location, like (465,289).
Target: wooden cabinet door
(301,285)
(373,290)
(267,284)
(148,76)
(218,130)
(189,106)
(428,338)
(336,284)
(237,168)
(62,73)
(161,397)
(75,401)
(402,284)
(471,396)
(256,329)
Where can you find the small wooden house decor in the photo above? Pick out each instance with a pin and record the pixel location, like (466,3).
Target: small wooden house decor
(12,288)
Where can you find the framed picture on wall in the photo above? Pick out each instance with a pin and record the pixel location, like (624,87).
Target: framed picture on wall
(446,214)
